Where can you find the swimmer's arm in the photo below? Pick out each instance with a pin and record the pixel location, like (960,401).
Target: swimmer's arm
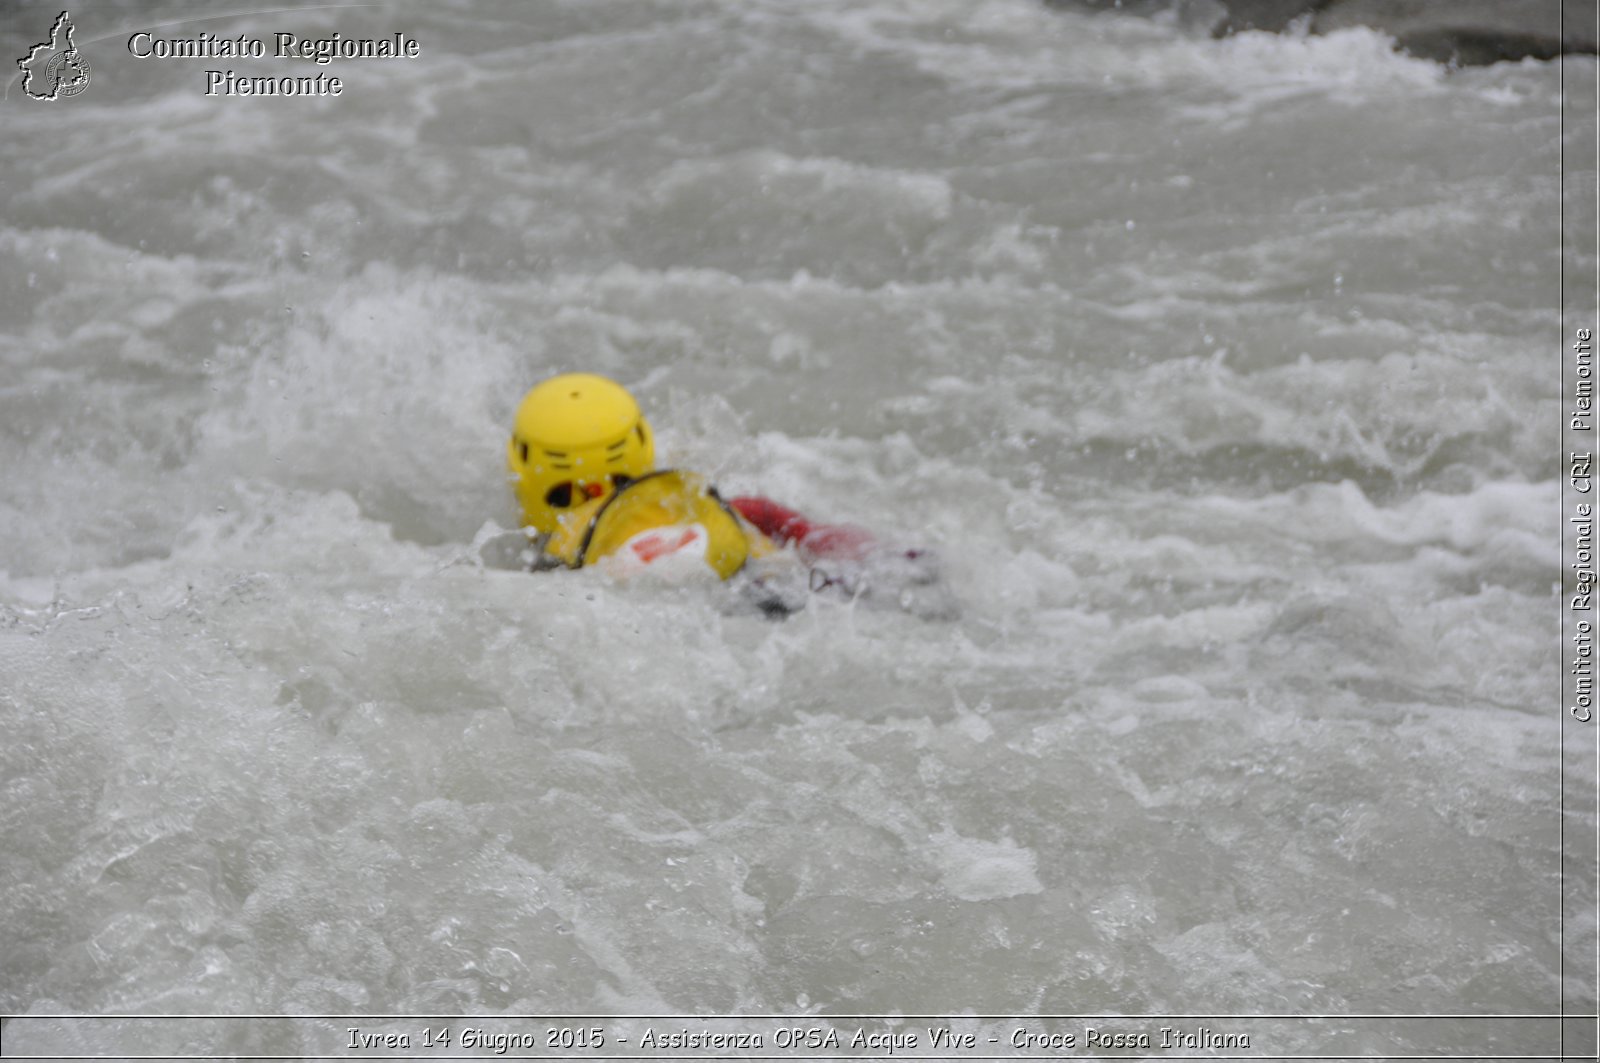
(784,526)
(518,551)
(544,561)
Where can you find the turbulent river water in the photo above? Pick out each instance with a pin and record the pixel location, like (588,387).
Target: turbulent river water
(1217,372)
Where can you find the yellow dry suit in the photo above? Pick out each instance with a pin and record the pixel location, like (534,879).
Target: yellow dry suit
(669,523)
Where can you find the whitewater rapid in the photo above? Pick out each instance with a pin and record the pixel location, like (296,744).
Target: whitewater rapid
(1215,371)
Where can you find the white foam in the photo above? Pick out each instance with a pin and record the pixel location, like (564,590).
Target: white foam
(978,870)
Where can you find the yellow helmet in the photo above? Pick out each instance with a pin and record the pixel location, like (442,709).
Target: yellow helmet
(576,437)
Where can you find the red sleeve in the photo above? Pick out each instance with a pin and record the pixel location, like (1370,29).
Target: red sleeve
(778,523)
(784,525)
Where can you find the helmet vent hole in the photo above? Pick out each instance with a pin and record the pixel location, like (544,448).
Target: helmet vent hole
(524,453)
(559,496)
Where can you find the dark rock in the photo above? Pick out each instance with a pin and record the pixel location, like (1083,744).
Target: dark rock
(1205,15)
(1273,16)
(1471,32)
(1464,32)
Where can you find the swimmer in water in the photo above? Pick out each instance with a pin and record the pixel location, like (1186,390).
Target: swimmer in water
(581,462)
